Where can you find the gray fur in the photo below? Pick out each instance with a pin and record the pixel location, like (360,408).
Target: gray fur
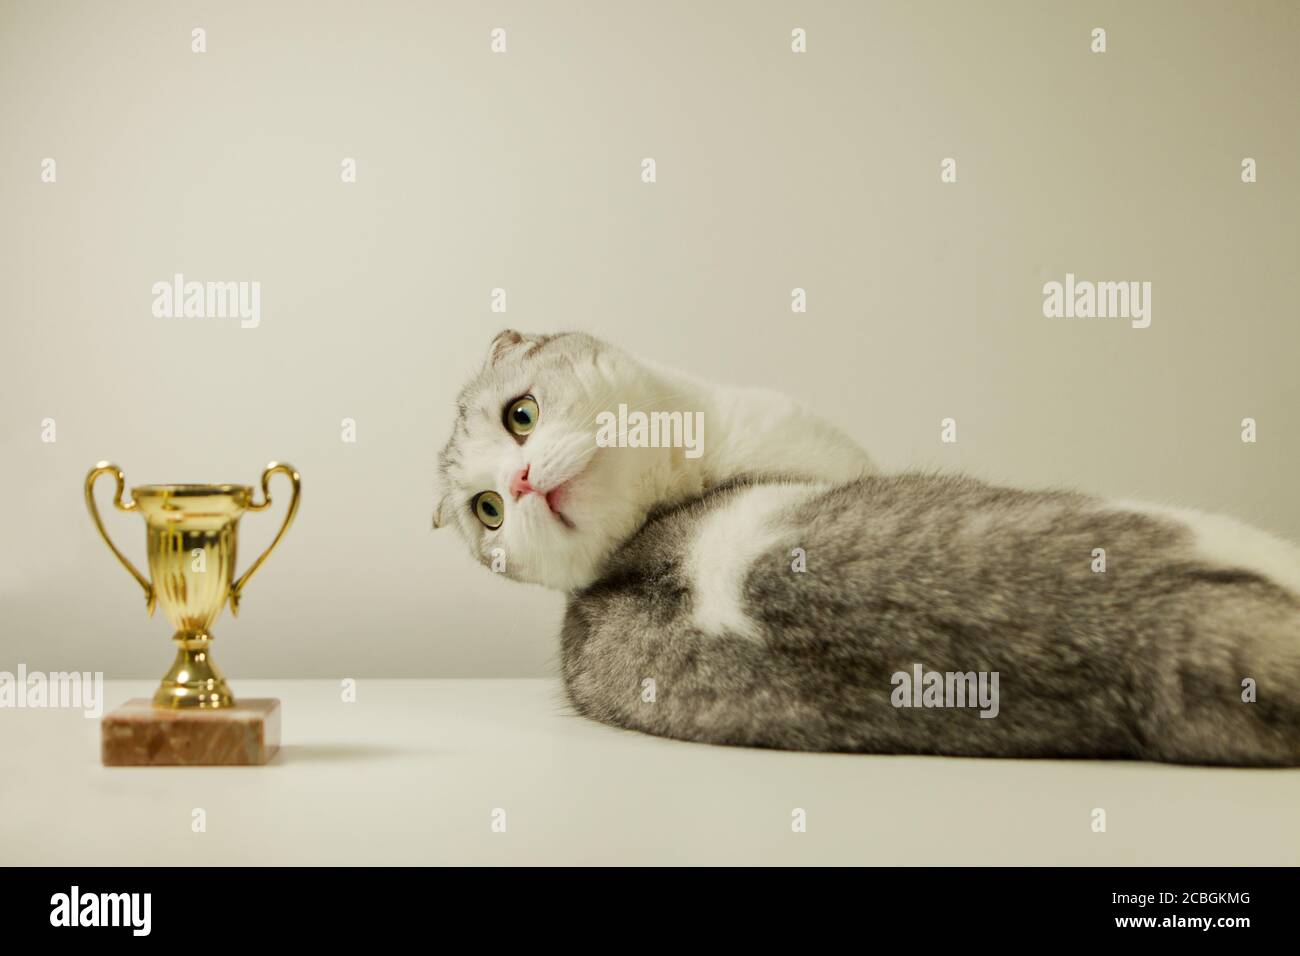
(1144,661)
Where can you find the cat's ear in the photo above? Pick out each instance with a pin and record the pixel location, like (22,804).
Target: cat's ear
(441,510)
(503,343)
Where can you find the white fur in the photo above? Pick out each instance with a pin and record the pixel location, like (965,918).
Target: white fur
(747,432)
(1228,543)
(728,543)
(756,431)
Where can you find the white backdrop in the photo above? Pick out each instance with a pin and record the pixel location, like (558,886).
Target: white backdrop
(522,170)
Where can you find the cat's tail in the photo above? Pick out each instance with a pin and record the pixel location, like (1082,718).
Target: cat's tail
(1229,692)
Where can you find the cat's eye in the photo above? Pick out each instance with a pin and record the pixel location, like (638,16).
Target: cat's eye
(521,415)
(489,509)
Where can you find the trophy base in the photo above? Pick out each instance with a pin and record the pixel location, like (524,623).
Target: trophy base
(140,734)
(194,679)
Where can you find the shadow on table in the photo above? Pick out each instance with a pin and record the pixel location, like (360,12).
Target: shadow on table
(339,753)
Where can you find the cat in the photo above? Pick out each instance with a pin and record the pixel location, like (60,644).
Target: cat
(779,591)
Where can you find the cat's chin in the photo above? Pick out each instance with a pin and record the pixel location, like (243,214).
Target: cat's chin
(564,579)
(570,559)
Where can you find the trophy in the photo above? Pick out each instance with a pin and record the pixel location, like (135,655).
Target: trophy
(192,538)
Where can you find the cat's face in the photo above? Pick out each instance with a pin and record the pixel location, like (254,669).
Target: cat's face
(522,478)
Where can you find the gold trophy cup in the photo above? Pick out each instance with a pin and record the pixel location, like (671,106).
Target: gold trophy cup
(193,532)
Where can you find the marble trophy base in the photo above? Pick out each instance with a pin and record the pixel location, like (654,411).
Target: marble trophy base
(138,734)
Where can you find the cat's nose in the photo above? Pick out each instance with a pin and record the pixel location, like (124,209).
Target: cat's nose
(519,483)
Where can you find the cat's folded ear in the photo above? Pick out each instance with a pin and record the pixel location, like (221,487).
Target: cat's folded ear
(506,342)
(441,510)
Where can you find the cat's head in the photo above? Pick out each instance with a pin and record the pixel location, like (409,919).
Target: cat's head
(522,478)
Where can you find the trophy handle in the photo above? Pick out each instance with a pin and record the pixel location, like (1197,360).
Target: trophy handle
(108,468)
(237,588)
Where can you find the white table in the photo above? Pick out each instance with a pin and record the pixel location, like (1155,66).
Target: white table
(412,772)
